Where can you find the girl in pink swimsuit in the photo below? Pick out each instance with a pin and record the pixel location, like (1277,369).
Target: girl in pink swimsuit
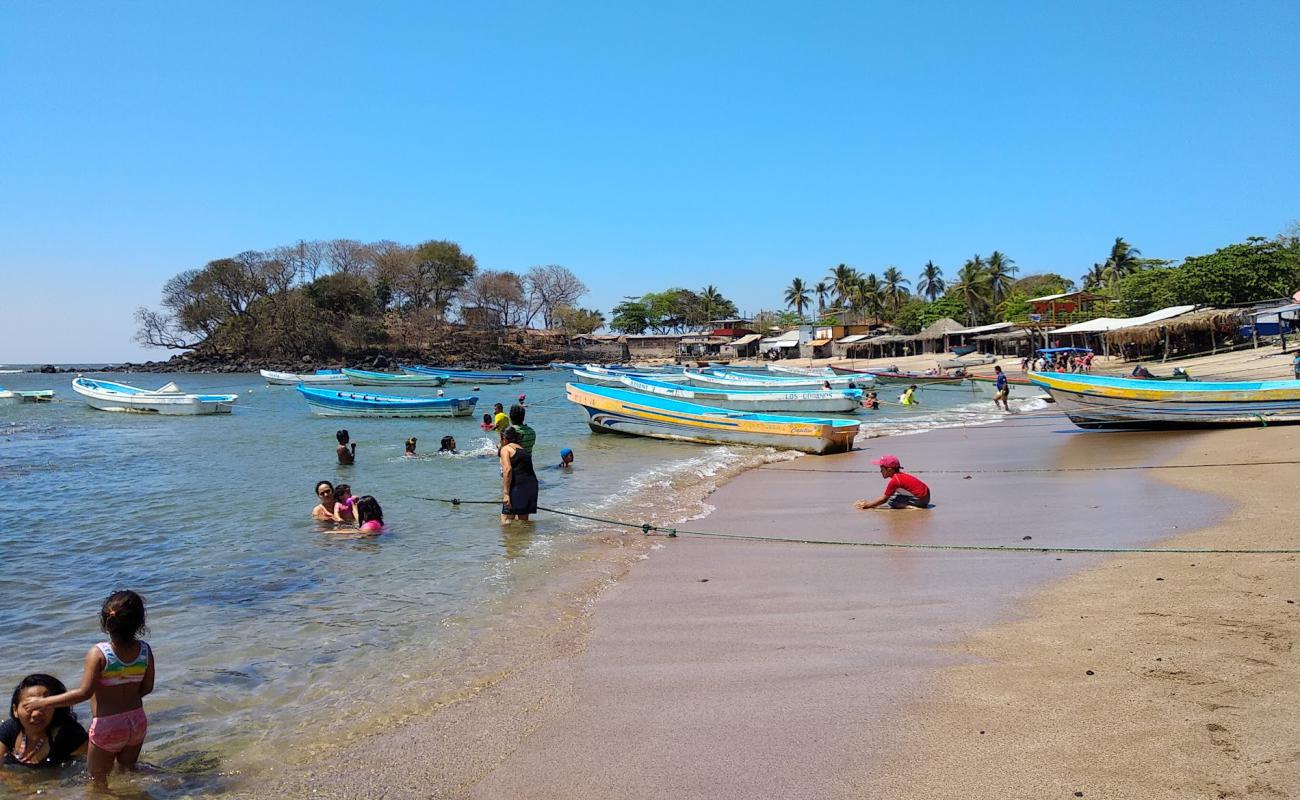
(117,675)
(370,515)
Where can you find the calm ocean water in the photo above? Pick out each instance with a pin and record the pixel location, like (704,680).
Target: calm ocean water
(275,637)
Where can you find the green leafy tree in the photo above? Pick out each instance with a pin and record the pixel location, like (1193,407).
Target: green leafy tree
(894,287)
(946,306)
(866,297)
(787,319)
(931,283)
(1042,284)
(630,316)
(1257,269)
(574,321)
(796,296)
(713,305)
(908,316)
(1145,291)
(342,294)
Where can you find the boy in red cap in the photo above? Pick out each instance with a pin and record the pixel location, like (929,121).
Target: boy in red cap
(902,490)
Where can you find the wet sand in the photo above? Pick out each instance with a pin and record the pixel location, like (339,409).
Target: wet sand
(727,668)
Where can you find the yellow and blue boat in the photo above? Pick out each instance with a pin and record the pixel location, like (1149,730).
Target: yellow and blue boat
(1103,401)
(623,411)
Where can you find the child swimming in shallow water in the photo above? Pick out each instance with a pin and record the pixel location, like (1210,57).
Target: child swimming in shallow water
(487,422)
(410,446)
(345,504)
(370,515)
(448,445)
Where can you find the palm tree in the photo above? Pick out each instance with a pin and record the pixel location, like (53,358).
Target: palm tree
(931,282)
(972,287)
(1094,278)
(822,289)
(894,286)
(797,296)
(1123,259)
(843,279)
(710,298)
(1000,271)
(865,296)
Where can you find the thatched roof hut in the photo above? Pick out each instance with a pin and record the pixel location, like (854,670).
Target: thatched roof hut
(1205,322)
(937,329)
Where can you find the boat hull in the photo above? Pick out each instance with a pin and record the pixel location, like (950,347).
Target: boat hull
(343,403)
(835,401)
(293,379)
(1108,402)
(8,398)
(465,376)
(615,379)
(742,382)
(919,380)
(99,395)
(621,411)
(358,377)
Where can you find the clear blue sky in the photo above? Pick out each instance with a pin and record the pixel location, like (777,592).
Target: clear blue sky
(641,145)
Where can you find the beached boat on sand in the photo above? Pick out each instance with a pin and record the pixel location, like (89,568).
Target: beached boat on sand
(361,377)
(168,400)
(294,378)
(1102,401)
(344,403)
(841,401)
(10,398)
(623,411)
(464,376)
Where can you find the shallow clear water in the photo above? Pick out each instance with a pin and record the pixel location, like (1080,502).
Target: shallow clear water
(272,633)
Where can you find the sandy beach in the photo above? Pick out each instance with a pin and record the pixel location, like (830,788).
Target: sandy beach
(724,668)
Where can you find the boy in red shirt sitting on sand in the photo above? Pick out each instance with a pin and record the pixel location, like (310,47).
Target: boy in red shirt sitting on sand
(902,490)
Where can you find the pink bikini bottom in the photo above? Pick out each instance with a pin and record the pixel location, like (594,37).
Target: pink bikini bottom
(116,732)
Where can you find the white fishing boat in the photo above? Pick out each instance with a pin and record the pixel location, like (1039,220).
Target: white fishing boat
(168,399)
(599,376)
(805,372)
(841,401)
(714,380)
(12,398)
(294,378)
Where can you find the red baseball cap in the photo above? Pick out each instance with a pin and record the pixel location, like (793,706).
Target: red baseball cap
(887,461)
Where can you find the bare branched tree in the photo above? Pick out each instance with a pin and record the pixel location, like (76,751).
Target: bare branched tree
(550,288)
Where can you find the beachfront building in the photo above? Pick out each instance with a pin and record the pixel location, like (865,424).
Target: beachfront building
(652,345)
(788,344)
(930,340)
(963,338)
(1067,308)
(744,347)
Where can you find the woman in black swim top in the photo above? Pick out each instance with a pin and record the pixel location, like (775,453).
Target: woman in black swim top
(518,480)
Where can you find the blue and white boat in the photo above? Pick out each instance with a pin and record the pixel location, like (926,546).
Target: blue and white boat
(361,377)
(624,411)
(1103,401)
(345,403)
(719,379)
(168,400)
(10,398)
(599,376)
(464,376)
(294,378)
(841,401)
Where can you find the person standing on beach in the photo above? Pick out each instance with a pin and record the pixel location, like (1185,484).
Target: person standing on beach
(346,452)
(1001,389)
(901,490)
(1295,366)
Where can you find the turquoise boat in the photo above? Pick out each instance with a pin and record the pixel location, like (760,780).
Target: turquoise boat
(464,376)
(361,377)
(621,411)
(344,403)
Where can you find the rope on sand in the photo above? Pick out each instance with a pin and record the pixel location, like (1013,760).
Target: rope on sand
(646,528)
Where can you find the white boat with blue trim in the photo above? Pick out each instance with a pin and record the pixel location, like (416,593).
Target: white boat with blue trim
(320,376)
(464,376)
(362,377)
(834,401)
(167,400)
(1103,401)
